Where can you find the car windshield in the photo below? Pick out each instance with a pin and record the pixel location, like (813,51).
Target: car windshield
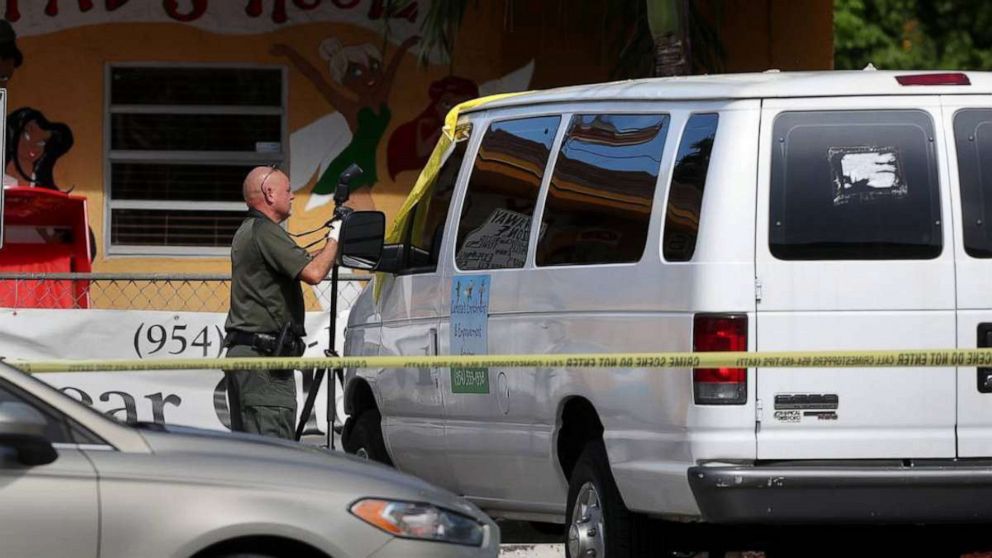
(65,402)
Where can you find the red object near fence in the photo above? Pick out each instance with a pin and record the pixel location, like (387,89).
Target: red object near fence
(45,231)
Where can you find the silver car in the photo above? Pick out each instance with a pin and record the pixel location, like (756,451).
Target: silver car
(75,483)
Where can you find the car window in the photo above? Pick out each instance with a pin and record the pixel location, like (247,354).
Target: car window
(57,427)
(599,201)
(973,142)
(854,185)
(78,433)
(426,228)
(685,197)
(495,222)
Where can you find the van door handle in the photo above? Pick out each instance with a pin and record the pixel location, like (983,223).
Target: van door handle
(984,373)
(432,351)
(432,342)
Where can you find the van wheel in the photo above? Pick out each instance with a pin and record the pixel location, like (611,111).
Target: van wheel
(598,522)
(364,437)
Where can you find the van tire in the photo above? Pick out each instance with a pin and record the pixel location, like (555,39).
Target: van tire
(624,534)
(365,437)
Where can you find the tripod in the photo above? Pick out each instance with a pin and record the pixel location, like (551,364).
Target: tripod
(341,194)
(319,374)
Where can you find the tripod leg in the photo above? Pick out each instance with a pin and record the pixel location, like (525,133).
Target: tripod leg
(234,401)
(308,404)
(332,407)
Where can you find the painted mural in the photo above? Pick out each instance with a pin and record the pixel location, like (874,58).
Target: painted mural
(356,93)
(358,90)
(33,145)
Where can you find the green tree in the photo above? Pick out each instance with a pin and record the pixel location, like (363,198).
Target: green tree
(913,34)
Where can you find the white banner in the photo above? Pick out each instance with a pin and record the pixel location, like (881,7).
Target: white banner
(193,398)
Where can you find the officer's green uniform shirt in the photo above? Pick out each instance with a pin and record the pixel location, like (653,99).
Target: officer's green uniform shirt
(265,285)
(265,293)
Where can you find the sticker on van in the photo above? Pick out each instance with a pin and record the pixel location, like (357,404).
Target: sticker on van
(469,331)
(866,173)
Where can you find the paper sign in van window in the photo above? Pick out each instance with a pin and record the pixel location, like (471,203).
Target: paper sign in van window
(500,243)
(866,173)
(469,331)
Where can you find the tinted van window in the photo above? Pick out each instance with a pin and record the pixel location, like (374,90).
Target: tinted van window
(499,202)
(854,185)
(685,198)
(599,201)
(973,139)
(426,227)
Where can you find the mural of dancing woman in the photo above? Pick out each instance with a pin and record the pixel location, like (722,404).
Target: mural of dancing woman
(358,90)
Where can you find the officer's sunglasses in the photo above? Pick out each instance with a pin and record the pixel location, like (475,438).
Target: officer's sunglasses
(272,168)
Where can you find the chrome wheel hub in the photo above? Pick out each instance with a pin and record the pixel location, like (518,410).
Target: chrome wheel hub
(585,533)
(363,453)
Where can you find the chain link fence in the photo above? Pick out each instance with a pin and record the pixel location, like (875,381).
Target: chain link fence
(178,293)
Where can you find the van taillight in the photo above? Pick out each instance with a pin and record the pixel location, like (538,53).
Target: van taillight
(948,78)
(719,332)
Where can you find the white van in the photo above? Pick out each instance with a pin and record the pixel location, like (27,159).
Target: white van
(759,212)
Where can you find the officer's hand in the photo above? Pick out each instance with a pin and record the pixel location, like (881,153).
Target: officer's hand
(334,230)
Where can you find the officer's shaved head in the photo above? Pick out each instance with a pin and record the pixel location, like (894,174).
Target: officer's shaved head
(267,190)
(251,189)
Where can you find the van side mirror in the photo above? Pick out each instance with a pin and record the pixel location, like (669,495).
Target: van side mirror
(360,241)
(22,428)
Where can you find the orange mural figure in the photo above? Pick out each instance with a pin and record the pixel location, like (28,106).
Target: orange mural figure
(359,90)
(411,144)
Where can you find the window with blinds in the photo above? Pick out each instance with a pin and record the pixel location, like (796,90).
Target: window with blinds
(180,142)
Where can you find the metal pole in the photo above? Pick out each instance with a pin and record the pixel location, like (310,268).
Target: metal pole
(332,404)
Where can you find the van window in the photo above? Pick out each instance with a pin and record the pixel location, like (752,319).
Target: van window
(599,201)
(425,230)
(973,140)
(685,198)
(499,202)
(854,185)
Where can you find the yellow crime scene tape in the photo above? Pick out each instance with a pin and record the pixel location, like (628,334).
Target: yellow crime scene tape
(793,359)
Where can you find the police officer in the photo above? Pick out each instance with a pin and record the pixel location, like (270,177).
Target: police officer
(267,310)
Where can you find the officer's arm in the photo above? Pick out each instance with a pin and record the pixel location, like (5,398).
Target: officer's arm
(317,269)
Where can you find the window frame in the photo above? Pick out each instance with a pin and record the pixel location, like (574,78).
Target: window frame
(595,110)
(482,124)
(71,428)
(684,126)
(932,161)
(471,145)
(964,227)
(176,157)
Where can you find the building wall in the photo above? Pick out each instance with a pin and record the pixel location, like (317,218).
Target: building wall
(502,45)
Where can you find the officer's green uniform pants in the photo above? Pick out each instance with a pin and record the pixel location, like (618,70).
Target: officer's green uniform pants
(267,398)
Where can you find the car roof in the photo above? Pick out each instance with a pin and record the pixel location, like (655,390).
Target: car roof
(770,84)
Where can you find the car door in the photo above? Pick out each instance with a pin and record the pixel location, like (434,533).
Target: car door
(48,510)
(489,449)
(853,252)
(968,127)
(411,304)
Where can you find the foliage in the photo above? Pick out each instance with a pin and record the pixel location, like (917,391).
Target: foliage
(913,34)
(634,25)
(440,25)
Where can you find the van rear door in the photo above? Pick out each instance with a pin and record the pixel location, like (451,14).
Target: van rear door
(968,127)
(852,252)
